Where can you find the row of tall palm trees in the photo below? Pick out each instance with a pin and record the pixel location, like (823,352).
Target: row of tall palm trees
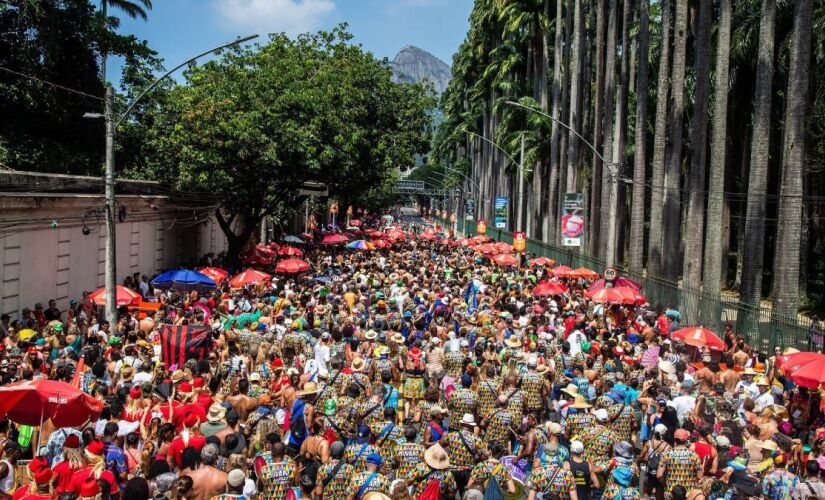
(690,118)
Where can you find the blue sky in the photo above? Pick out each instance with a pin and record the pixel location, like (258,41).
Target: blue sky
(178,29)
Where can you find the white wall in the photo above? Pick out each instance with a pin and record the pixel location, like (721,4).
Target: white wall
(38,263)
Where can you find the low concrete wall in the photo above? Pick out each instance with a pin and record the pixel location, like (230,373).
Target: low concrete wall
(39,262)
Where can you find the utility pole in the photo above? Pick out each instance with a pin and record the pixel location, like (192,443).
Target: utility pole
(520,186)
(111,266)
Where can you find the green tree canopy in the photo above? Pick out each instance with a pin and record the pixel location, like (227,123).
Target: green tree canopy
(253,125)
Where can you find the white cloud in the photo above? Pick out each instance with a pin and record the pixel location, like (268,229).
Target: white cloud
(272,16)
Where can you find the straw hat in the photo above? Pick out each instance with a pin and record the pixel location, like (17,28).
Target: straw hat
(789,350)
(769,445)
(126,373)
(371,335)
(216,413)
(436,457)
(397,338)
(512,342)
(177,376)
(571,390)
(750,371)
(468,419)
(542,368)
(358,364)
(553,428)
(309,388)
(580,403)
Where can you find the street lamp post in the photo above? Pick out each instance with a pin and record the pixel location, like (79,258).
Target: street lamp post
(613,167)
(110,278)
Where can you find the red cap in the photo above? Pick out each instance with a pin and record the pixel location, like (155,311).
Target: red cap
(43,476)
(185,387)
(681,435)
(191,420)
(72,441)
(199,383)
(38,464)
(89,488)
(278,363)
(134,392)
(95,448)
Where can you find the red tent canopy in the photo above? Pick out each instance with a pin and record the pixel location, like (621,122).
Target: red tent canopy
(215,273)
(249,277)
(292,266)
(585,273)
(547,288)
(123,296)
(33,401)
(290,251)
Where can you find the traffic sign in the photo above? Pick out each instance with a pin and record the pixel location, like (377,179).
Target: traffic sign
(519,243)
(610,274)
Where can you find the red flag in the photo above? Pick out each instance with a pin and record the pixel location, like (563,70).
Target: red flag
(78,372)
(182,342)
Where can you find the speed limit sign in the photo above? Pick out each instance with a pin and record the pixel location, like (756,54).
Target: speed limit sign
(610,274)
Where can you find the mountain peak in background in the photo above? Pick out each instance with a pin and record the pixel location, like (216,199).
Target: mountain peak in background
(412,64)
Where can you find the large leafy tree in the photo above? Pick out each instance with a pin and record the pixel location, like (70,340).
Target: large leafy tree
(252,126)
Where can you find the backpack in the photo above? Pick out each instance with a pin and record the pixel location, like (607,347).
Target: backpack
(653,459)
(432,491)
(493,490)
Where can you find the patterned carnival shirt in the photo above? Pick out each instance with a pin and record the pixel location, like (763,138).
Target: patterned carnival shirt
(779,485)
(487,395)
(552,479)
(406,457)
(276,479)
(682,466)
(531,384)
(379,483)
(499,423)
(460,457)
(337,486)
(462,401)
(575,423)
(356,454)
(423,474)
(622,418)
(482,472)
(598,444)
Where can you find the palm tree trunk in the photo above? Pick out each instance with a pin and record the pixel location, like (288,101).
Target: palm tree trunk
(758,177)
(609,107)
(657,178)
(672,203)
(695,219)
(565,99)
(788,236)
(621,124)
(596,184)
(712,271)
(637,212)
(553,182)
(575,95)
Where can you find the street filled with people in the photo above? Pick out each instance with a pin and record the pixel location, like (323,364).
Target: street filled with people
(401,362)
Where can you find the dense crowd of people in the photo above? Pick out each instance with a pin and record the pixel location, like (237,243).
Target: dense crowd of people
(420,371)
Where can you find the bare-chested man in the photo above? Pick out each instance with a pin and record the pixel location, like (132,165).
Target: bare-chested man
(729,378)
(242,403)
(207,480)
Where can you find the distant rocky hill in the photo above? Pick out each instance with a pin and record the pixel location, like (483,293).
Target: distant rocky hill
(416,65)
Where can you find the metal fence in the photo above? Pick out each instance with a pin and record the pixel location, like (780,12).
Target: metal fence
(763,328)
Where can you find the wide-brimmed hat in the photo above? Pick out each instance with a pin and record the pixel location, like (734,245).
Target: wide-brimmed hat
(769,445)
(541,368)
(216,413)
(667,367)
(309,388)
(126,373)
(397,338)
(437,457)
(580,403)
(177,376)
(371,335)
(512,342)
(750,371)
(358,364)
(623,449)
(571,390)
(468,419)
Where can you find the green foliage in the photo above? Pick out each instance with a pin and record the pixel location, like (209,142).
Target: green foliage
(252,126)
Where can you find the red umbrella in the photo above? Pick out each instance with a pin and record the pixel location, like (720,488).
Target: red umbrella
(631,293)
(355,223)
(292,266)
(123,296)
(33,401)
(547,288)
(810,375)
(620,281)
(463,242)
(505,259)
(481,238)
(542,261)
(446,242)
(266,250)
(487,249)
(585,273)
(699,337)
(790,363)
(334,239)
(562,272)
(215,273)
(427,236)
(290,251)
(395,234)
(249,277)
(608,295)
(380,243)
(503,247)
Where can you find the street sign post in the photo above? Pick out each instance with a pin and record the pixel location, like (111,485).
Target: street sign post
(519,241)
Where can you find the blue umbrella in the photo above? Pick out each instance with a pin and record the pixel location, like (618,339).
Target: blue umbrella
(184,280)
(293,239)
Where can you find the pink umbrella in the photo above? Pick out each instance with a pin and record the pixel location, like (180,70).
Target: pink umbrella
(334,239)
(562,272)
(620,281)
(292,266)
